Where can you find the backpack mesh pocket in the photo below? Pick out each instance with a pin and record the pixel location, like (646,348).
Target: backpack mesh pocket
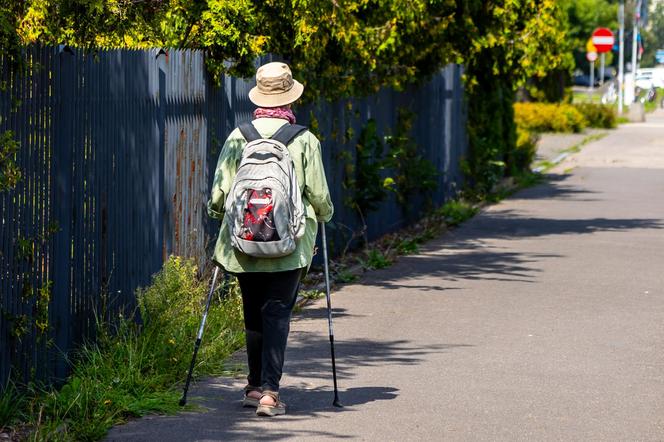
(258,221)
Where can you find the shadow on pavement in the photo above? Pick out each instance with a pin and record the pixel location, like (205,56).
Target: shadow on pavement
(554,187)
(509,225)
(308,359)
(468,257)
(475,265)
(312,355)
(467,253)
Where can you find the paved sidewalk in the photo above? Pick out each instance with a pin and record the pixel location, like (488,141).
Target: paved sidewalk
(552,145)
(540,319)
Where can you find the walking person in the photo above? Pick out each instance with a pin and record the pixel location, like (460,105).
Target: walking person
(269,223)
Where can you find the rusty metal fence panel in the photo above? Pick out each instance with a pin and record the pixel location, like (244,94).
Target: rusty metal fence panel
(117,153)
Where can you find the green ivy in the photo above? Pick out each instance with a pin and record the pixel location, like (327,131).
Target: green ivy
(10,174)
(38,299)
(363,176)
(412,174)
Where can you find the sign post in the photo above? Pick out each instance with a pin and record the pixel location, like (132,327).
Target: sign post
(603,41)
(591,56)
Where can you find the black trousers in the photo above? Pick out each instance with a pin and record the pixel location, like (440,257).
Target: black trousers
(268,300)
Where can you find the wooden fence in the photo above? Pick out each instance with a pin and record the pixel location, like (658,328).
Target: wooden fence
(117,153)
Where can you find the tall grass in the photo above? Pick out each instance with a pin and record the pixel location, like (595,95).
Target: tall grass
(12,407)
(456,212)
(136,366)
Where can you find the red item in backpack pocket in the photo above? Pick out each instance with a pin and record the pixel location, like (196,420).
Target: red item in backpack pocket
(258,222)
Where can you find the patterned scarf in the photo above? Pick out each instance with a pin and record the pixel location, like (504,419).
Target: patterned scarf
(283,112)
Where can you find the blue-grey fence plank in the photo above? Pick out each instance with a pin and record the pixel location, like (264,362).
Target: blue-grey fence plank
(62,202)
(8,236)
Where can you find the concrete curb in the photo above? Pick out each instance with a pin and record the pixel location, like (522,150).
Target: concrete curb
(557,160)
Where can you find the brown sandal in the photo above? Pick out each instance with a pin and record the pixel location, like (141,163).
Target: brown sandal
(271,410)
(249,401)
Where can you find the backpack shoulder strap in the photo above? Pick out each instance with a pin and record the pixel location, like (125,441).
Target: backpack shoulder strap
(287,133)
(249,132)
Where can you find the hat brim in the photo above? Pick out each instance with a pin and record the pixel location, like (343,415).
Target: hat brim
(275,100)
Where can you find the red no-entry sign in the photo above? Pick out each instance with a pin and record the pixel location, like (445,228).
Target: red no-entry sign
(603,40)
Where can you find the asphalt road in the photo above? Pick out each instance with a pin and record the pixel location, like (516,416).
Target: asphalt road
(540,319)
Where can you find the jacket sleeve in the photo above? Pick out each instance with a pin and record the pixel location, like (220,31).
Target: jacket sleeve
(316,189)
(224,173)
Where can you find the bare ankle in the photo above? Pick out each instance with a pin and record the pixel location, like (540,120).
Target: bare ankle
(268,399)
(254,394)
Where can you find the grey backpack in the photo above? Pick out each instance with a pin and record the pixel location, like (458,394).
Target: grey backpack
(264,209)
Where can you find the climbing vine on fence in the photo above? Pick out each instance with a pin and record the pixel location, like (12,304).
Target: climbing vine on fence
(26,249)
(10,174)
(380,165)
(363,179)
(413,178)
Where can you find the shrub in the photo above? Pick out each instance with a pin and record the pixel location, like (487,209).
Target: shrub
(526,148)
(598,115)
(491,133)
(171,309)
(548,117)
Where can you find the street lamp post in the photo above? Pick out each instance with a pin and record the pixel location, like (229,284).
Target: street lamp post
(635,45)
(621,57)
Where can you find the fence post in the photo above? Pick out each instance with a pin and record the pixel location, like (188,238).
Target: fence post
(64,85)
(160,127)
(165,226)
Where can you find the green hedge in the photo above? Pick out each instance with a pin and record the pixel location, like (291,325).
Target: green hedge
(491,131)
(552,117)
(598,115)
(549,117)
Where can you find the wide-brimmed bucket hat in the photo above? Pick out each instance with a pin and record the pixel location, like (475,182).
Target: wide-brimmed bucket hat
(275,86)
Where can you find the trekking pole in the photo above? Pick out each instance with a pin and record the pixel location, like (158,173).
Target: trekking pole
(336,402)
(183,400)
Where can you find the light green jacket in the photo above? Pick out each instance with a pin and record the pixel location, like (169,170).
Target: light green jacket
(305,152)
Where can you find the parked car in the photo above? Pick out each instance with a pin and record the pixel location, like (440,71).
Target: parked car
(584,80)
(650,77)
(608,77)
(644,80)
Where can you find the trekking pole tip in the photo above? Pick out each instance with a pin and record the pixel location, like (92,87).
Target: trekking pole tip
(337,404)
